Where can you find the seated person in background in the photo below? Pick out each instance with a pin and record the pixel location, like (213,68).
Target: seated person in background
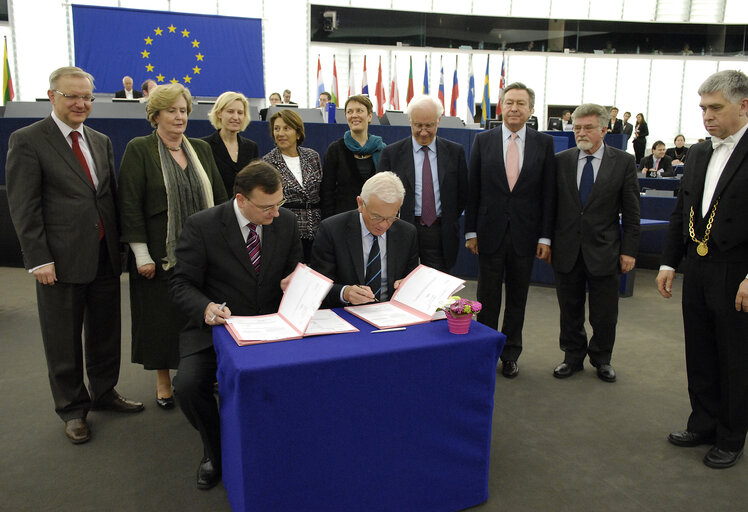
(657,161)
(324,99)
(287,98)
(615,125)
(147,87)
(679,152)
(275,98)
(238,253)
(367,252)
(128,92)
(566,120)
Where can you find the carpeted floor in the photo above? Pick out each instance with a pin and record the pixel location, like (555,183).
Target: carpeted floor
(558,445)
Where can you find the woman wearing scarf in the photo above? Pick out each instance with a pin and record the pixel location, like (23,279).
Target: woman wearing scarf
(163,179)
(350,161)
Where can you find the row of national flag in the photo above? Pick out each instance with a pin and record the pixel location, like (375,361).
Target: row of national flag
(393,101)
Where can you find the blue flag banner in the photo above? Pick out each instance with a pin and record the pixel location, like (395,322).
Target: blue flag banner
(207,54)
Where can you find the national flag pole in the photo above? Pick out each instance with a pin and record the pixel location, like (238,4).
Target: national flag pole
(351,78)
(410,83)
(502,84)
(471,90)
(320,83)
(486,106)
(394,93)
(455,92)
(365,81)
(380,92)
(8,93)
(440,94)
(426,75)
(334,87)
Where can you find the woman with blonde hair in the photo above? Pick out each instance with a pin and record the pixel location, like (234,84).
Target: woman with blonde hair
(231,151)
(164,178)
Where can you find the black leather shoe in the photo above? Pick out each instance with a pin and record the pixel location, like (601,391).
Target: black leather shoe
(77,430)
(686,438)
(208,474)
(721,459)
(567,370)
(118,403)
(509,369)
(606,372)
(165,403)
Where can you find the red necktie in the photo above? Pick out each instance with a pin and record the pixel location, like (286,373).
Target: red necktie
(428,201)
(82,159)
(253,246)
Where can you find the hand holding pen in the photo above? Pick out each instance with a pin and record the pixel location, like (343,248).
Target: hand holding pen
(216,314)
(358,294)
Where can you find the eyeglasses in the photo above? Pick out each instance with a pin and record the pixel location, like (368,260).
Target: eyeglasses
(267,209)
(424,126)
(75,97)
(586,128)
(376,219)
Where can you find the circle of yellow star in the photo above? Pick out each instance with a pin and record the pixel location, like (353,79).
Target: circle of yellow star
(149,67)
(185,33)
(158,31)
(145,54)
(199,56)
(196,70)
(195,43)
(149,41)
(172,28)
(187,79)
(160,77)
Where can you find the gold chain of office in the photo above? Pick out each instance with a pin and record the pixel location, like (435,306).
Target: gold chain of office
(701,248)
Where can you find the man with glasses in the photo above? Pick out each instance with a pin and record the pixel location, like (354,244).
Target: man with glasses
(366,252)
(232,259)
(61,193)
(596,186)
(434,173)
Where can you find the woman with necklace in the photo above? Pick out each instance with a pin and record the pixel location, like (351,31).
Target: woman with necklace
(164,178)
(350,161)
(301,172)
(679,152)
(231,151)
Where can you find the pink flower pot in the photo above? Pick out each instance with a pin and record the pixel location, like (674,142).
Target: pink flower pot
(458,324)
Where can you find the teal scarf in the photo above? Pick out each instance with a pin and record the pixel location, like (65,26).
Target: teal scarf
(374,146)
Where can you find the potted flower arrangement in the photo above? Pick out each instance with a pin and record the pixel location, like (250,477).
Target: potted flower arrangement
(459,313)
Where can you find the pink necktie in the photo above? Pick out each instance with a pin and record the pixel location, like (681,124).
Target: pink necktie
(253,246)
(428,202)
(512,162)
(82,159)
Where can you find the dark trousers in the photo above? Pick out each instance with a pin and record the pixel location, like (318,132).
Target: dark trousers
(716,349)
(571,290)
(640,146)
(65,311)
(505,265)
(430,250)
(193,386)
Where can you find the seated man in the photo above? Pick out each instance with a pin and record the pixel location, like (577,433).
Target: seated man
(657,161)
(237,255)
(366,252)
(128,92)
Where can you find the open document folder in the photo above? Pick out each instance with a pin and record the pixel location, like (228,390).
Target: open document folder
(300,302)
(415,301)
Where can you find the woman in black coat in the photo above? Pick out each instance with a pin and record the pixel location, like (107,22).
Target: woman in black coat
(640,137)
(231,151)
(350,161)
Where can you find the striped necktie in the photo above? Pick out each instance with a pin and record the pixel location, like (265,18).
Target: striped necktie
(253,246)
(374,269)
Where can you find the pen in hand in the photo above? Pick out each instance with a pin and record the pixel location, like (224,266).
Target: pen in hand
(374,298)
(220,308)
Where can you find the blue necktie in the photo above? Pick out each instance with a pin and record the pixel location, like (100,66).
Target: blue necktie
(588,179)
(373,276)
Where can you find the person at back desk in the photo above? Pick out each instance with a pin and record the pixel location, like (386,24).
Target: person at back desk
(367,252)
(657,161)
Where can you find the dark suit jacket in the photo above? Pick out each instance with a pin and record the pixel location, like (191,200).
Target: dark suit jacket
(595,228)
(617,127)
(665,163)
(628,129)
(728,234)
(213,266)
(530,206)
(673,153)
(341,181)
(122,94)
(53,204)
(453,186)
(248,151)
(338,253)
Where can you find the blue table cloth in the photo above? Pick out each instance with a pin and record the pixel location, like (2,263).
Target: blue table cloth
(397,421)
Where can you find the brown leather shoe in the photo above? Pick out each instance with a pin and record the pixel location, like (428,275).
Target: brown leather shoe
(118,403)
(77,430)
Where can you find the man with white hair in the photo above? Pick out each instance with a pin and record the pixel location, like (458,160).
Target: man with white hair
(434,173)
(708,227)
(368,251)
(128,92)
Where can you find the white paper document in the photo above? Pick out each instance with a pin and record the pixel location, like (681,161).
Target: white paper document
(326,321)
(415,301)
(302,298)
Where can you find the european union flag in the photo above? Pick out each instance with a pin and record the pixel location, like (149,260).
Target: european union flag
(207,54)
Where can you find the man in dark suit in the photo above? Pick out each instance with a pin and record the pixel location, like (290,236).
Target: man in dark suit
(61,193)
(628,128)
(596,183)
(366,252)
(435,210)
(128,92)
(237,254)
(708,227)
(657,161)
(510,214)
(614,124)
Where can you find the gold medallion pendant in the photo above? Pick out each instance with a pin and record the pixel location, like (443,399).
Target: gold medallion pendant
(702,249)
